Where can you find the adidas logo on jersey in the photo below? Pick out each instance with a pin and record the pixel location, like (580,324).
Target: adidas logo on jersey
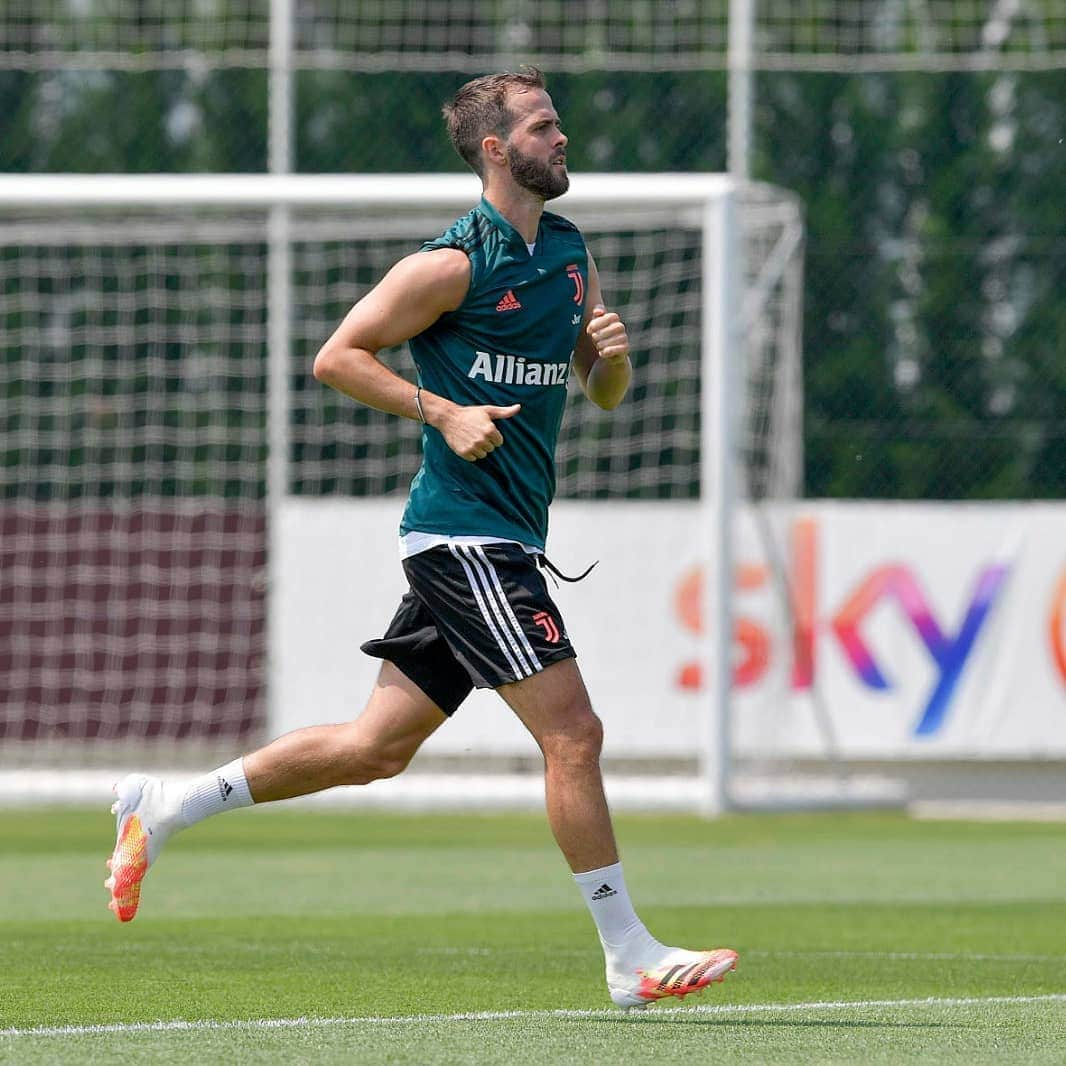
(509,302)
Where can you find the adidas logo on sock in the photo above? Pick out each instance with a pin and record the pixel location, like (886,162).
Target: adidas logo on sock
(603,892)
(225,788)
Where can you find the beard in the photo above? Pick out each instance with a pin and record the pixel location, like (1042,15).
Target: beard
(544,179)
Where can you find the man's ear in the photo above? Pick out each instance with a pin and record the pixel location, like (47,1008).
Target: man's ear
(494,149)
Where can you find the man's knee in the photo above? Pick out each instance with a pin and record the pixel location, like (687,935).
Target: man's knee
(581,741)
(364,766)
(383,764)
(365,759)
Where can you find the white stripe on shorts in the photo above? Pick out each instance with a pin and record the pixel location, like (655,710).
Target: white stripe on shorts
(493,595)
(480,553)
(519,671)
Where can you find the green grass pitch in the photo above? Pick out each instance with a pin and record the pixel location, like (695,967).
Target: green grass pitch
(287,935)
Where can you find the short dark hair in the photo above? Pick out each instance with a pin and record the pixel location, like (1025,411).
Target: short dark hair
(480,108)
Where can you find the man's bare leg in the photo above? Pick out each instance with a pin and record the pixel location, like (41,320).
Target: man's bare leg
(380,743)
(397,719)
(554,706)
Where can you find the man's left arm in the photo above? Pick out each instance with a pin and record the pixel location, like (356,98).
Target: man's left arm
(601,355)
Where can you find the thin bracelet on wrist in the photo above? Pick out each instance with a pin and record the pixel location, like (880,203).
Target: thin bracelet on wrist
(418,405)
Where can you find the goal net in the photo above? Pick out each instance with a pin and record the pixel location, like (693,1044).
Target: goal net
(160,421)
(441,35)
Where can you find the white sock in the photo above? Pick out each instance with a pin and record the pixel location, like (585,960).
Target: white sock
(221,790)
(607,899)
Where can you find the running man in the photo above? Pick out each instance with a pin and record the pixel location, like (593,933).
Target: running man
(497,311)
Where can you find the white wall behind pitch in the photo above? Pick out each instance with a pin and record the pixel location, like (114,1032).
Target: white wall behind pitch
(341,580)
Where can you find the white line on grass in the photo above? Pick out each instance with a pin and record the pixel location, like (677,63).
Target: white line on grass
(519,1015)
(930,956)
(908,956)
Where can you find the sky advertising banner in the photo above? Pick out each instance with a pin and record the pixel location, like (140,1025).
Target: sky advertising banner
(883,630)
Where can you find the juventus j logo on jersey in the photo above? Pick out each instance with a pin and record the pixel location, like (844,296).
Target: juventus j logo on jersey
(574,275)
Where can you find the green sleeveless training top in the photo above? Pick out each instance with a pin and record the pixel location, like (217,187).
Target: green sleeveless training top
(510,341)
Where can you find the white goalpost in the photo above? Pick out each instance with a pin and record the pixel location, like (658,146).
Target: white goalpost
(196,537)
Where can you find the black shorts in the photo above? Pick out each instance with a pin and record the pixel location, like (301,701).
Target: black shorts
(475,616)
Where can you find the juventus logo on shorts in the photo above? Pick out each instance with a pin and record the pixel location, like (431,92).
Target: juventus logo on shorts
(547,623)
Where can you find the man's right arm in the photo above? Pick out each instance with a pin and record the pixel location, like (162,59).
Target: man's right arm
(407,300)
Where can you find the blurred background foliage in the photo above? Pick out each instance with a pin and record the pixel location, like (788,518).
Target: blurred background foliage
(936,238)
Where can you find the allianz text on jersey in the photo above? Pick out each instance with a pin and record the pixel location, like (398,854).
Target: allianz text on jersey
(517,370)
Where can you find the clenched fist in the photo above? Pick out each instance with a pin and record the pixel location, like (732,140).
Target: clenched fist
(471,432)
(607,331)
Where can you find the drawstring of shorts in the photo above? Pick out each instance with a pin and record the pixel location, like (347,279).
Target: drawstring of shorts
(547,564)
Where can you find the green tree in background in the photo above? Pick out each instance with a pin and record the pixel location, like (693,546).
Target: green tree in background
(934,248)
(93,121)
(367,123)
(936,253)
